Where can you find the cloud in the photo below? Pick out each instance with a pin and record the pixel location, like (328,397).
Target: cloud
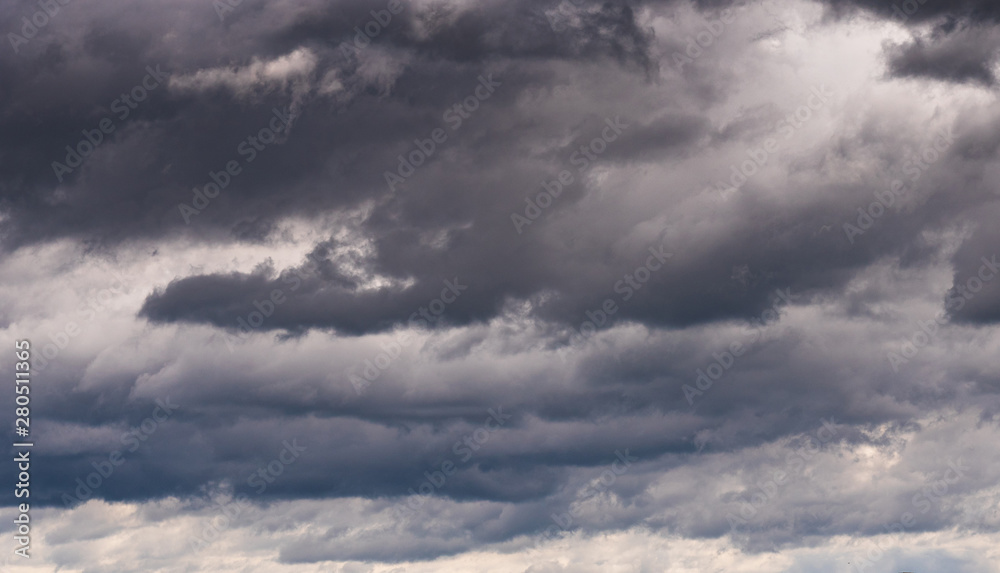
(517,206)
(963,55)
(258,76)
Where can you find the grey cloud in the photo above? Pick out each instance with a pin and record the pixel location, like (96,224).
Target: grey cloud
(967,54)
(307,269)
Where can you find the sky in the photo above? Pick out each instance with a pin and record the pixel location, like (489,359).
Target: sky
(528,286)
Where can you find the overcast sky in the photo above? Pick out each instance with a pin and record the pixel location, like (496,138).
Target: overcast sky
(504,285)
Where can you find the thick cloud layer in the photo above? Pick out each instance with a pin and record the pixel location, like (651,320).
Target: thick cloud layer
(506,285)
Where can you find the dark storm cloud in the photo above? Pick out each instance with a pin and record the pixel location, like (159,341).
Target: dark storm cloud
(379,445)
(961,55)
(68,79)
(800,257)
(212,438)
(135,184)
(961,49)
(916,11)
(975,294)
(312,302)
(767,267)
(545,30)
